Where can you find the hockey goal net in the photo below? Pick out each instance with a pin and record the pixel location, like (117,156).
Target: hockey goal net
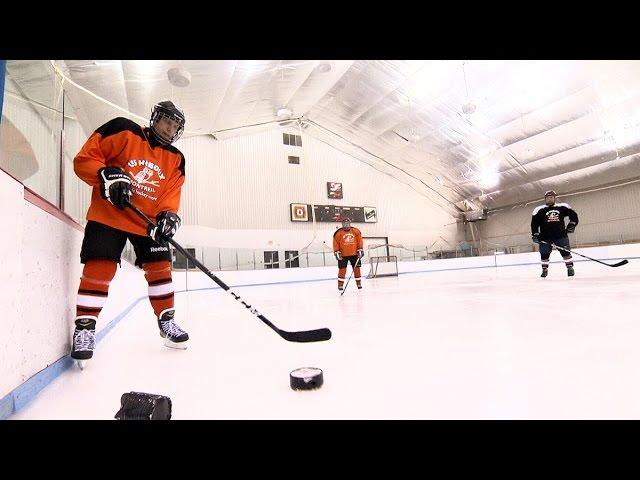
(385,266)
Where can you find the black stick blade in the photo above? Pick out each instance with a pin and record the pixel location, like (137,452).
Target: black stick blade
(320,335)
(619,264)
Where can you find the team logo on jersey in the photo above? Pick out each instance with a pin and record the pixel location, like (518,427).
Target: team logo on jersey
(553,216)
(349,238)
(145,178)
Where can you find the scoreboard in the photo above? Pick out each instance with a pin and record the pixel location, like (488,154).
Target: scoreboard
(301,212)
(337,213)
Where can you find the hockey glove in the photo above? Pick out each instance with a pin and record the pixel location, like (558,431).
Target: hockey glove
(360,253)
(167,223)
(571,227)
(115,186)
(338,255)
(535,237)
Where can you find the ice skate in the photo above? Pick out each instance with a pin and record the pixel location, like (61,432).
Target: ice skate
(174,336)
(84,340)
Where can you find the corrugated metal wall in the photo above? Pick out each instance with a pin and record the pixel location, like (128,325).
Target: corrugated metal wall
(246,182)
(610,215)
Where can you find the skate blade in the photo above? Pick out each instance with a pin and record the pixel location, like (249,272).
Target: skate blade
(175,345)
(81,364)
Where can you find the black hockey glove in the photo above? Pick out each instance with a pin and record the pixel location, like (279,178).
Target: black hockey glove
(535,237)
(338,255)
(115,186)
(571,227)
(167,223)
(360,253)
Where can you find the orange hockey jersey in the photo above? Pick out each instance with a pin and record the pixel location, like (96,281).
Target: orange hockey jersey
(156,172)
(347,243)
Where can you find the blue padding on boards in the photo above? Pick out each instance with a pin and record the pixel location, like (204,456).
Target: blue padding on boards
(23,394)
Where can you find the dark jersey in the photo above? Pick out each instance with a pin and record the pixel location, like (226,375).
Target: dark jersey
(550,220)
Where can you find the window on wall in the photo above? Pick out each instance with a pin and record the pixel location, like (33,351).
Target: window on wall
(180,261)
(271,259)
(291,259)
(291,139)
(294,160)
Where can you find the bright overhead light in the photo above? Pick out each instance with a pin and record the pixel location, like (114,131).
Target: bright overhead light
(147,66)
(622,137)
(488,178)
(428,82)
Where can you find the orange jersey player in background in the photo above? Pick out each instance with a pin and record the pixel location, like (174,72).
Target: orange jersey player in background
(125,162)
(347,247)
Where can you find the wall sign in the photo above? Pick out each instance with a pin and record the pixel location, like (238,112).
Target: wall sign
(300,212)
(334,190)
(370,215)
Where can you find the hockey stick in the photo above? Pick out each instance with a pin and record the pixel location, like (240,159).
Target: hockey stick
(619,264)
(352,270)
(319,335)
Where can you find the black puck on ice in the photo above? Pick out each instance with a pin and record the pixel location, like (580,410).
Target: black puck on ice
(306,378)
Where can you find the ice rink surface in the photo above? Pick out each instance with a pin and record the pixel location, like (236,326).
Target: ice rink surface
(487,343)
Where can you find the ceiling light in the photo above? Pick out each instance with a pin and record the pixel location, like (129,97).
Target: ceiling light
(469,108)
(148,67)
(489,178)
(283,112)
(179,77)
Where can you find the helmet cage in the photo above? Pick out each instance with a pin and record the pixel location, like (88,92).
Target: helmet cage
(160,111)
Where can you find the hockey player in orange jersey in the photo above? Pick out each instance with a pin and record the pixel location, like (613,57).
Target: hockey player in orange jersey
(125,162)
(347,247)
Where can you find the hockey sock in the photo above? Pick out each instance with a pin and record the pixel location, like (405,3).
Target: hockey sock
(158,275)
(94,286)
(341,274)
(568,261)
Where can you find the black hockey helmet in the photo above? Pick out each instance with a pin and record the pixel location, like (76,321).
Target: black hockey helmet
(550,193)
(169,110)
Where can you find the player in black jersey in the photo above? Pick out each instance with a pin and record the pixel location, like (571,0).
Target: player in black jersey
(549,220)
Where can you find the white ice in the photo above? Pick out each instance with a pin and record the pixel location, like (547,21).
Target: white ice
(469,344)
